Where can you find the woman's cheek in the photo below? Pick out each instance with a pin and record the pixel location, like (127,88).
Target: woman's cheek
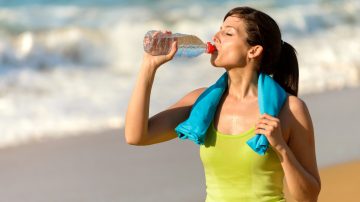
(235,58)
(226,58)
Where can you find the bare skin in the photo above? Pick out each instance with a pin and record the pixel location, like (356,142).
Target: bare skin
(291,134)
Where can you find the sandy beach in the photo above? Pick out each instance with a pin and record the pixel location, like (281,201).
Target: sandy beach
(340,182)
(101,167)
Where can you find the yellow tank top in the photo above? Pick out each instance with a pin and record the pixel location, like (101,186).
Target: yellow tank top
(235,173)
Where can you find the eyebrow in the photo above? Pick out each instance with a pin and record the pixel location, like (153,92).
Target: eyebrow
(228,26)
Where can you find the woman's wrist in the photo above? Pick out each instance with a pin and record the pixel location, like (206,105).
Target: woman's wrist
(282,151)
(149,67)
(153,62)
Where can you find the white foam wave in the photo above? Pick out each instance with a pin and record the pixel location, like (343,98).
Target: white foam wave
(68,46)
(62,101)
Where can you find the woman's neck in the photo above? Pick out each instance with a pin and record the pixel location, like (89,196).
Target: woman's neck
(242,84)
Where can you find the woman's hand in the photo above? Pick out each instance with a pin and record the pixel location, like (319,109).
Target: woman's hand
(158,60)
(271,128)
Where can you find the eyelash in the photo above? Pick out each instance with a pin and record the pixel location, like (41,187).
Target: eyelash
(225,33)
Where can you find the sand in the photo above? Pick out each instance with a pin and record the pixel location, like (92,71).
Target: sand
(101,167)
(339,183)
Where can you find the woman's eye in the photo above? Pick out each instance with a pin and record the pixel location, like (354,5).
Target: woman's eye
(228,34)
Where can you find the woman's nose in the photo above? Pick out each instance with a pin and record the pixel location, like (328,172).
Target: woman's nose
(215,37)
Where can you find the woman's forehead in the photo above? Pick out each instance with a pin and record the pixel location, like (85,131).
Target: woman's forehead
(234,22)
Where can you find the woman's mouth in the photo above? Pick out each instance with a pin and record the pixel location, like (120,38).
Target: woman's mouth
(210,48)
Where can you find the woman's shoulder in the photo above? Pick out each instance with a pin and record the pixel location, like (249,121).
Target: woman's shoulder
(296,105)
(197,92)
(294,109)
(295,116)
(193,95)
(297,113)
(190,98)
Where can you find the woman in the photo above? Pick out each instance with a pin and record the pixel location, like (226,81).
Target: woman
(248,42)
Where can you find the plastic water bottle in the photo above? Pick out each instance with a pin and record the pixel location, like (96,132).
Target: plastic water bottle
(159,43)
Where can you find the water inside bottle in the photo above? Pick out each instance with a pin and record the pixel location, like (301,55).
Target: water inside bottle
(189,51)
(190,46)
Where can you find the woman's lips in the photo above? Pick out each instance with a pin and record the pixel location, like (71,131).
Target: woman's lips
(217,47)
(215,53)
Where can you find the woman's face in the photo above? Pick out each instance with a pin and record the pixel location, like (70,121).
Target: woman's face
(231,44)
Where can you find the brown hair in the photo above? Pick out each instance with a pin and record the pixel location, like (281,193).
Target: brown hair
(279,57)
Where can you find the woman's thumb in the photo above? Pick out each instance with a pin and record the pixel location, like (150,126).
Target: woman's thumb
(173,50)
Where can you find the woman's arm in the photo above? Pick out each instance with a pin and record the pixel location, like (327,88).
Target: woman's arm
(161,126)
(136,121)
(297,158)
(139,129)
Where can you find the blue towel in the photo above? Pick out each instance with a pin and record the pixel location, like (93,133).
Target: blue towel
(271,97)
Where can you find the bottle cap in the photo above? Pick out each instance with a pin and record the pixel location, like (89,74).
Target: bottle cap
(210,48)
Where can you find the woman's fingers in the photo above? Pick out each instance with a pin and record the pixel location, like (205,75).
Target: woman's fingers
(172,52)
(261,131)
(267,116)
(264,126)
(269,120)
(271,128)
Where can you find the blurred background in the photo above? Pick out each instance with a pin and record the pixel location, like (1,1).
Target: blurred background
(68,67)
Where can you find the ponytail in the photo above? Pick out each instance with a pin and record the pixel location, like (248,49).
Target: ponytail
(287,69)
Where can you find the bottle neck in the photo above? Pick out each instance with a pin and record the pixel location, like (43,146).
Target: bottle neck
(210,48)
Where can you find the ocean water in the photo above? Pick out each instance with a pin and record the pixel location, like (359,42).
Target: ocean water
(68,67)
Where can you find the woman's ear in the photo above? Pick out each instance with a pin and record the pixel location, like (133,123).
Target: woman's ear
(255,52)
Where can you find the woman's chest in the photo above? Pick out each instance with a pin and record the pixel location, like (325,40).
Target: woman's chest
(236,117)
